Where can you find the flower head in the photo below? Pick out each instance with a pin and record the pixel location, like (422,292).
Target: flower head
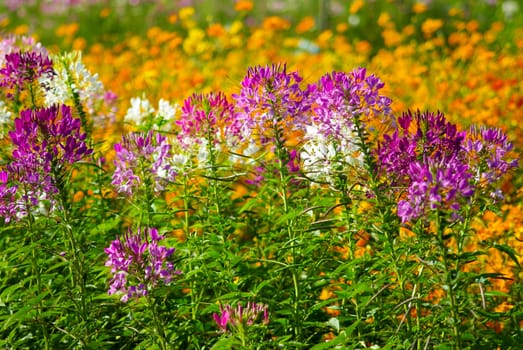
(442,185)
(138,263)
(338,97)
(231,317)
(490,156)
(142,159)
(271,103)
(46,142)
(338,101)
(24,67)
(425,135)
(208,118)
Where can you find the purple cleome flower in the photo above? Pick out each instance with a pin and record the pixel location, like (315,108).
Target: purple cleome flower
(24,67)
(270,98)
(337,97)
(207,116)
(15,43)
(50,132)
(46,142)
(137,258)
(441,167)
(435,185)
(418,135)
(332,143)
(489,151)
(141,158)
(231,317)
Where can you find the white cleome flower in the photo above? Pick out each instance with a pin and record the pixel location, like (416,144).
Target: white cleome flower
(70,76)
(324,158)
(5,118)
(166,110)
(140,110)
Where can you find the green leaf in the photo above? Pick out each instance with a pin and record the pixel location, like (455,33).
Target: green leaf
(225,343)
(507,250)
(340,339)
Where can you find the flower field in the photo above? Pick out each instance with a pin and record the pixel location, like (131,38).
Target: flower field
(261,175)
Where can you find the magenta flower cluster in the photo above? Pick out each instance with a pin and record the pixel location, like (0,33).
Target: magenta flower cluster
(441,167)
(490,154)
(270,97)
(46,142)
(138,263)
(337,97)
(24,67)
(142,159)
(436,185)
(418,135)
(231,317)
(208,117)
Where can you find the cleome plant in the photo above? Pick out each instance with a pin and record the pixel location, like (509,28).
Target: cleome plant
(291,214)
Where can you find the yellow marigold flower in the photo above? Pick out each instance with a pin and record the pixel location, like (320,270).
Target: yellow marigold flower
(243,5)
(324,39)
(356,6)
(430,26)
(4,22)
(236,27)
(193,44)
(186,13)
(305,25)
(454,11)
(342,27)
(408,30)
(291,42)
(153,32)
(419,7)
(391,37)
(256,40)
(438,42)
(384,19)
(21,29)
(78,196)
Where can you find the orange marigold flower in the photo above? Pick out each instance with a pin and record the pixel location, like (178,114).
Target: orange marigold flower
(216,30)
(243,5)
(305,25)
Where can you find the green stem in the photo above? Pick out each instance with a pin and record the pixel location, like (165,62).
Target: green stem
(159,331)
(449,283)
(35,267)
(186,224)
(78,271)
(36,271)
(214,172)
(387,218)
(283,182)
